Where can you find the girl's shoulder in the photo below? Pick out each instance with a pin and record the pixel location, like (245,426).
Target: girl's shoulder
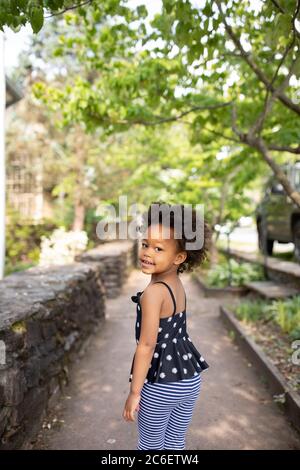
(152,289)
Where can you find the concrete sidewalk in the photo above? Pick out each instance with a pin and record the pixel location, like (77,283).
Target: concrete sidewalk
(233,411)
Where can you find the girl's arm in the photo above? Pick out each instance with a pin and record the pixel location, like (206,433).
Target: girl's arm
(151,304)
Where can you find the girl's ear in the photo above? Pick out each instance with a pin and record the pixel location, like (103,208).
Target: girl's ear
(183,256)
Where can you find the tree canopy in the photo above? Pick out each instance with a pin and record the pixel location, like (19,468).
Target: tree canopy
(228,70)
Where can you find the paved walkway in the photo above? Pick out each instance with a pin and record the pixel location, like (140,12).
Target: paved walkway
(233,411)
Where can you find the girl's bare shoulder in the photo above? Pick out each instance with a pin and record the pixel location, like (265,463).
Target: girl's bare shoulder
(153,291)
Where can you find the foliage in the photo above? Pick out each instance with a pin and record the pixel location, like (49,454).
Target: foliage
(23,242)
(253,310)
(208,65)
(241,273)
(17,13)
(285,313)
(184,64)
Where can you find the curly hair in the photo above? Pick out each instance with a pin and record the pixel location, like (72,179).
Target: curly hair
(194,257)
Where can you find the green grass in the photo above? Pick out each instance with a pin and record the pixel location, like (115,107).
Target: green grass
(287,256)
(285,313)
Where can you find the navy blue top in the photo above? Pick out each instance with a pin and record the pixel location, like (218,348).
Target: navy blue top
(175,357)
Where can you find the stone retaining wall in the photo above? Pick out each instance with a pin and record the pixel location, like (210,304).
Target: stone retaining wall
(116,258)
(47,315)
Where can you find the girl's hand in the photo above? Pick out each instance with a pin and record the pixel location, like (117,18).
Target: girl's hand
(131,405)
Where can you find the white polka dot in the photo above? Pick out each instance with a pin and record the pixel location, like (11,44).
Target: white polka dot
(170,318)
(185,371)
(166,335)
(174,324)
(162,375)
(137,324)
(190,339)
(180,329)
(160,364)
(202,359)
(146,380)
(195,373)
(159,329)
(198,364)
(181,314)
(174,340)
(185,357)
(155,373)
(174,370)
(184,321)
(178,353)
(156,354)
(189,354)
(184,338)
(169,357)
(164,345)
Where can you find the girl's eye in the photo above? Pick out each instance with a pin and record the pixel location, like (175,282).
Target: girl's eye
(157,247)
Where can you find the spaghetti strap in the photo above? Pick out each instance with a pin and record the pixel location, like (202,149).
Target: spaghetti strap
(172,295)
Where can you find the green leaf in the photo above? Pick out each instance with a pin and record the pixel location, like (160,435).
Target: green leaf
(37,19)
(142,11)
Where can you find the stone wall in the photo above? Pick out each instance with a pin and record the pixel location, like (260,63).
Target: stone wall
(47,316)
(116,258)
(284,277)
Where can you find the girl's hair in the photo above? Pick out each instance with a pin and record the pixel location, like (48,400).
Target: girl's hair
(194,257)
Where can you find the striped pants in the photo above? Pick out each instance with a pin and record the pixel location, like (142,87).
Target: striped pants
(165,413)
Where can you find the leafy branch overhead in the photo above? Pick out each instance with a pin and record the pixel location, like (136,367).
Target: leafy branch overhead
(17,13)
(228,70)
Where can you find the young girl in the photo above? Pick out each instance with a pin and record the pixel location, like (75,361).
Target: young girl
(166,368)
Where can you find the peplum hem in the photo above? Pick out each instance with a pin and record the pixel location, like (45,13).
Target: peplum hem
(176,361)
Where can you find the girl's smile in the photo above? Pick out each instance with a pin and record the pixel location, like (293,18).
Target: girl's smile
(146,263)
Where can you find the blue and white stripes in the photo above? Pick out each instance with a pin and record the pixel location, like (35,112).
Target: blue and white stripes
(165,412)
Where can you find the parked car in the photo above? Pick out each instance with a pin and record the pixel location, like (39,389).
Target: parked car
(277,216)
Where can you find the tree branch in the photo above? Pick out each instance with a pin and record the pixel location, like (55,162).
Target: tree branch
(70,8)
(292,193)
(219,134)
(278,148)
(278,6)
(257,126)
(161,120)
(258,143)
(252,64)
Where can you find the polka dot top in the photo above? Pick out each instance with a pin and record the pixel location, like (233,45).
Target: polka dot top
(175,357)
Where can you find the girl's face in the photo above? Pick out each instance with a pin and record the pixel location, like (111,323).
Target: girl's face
(159,251)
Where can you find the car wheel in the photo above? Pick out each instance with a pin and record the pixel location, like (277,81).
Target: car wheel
(296,240)
(265,244)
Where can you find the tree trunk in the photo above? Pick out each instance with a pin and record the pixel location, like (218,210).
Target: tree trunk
(79,215)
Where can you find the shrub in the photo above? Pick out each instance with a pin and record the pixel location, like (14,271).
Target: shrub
(285,313)
(240,273)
